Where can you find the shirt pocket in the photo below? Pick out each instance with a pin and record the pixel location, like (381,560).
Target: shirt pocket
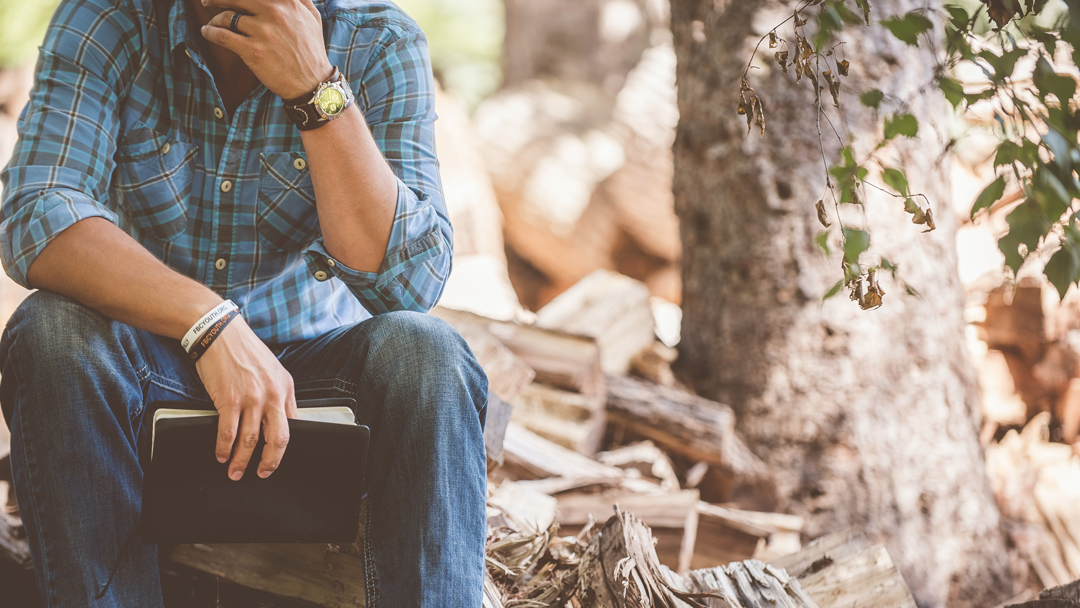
(286,217)
(153,181)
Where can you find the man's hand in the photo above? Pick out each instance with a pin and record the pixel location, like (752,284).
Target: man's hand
(281,41)
(251,390)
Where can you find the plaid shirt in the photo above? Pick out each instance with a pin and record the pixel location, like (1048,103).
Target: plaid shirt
(125,123)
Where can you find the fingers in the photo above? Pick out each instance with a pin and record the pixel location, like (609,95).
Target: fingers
(222,36)
(228,420)
(246,440)
(244,6)
(276,433)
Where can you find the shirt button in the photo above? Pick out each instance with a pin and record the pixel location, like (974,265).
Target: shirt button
(226,186)
(320,275)
(299,164)
(165,148)
(219,113)
(331,262)
(220,264)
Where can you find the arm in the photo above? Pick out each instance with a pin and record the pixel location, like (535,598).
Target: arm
(386,233)
(55,234)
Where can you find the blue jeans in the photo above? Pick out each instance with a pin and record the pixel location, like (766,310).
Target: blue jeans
(73,389)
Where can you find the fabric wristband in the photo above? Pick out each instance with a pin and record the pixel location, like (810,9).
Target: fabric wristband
(198,349)
(205,322)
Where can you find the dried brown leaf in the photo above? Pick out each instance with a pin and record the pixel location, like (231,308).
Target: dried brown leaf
(772,40)
(843,67)
(821,215)
(834,86)
(1000,11)
(782,59)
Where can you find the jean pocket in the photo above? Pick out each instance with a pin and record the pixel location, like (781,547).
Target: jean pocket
(153,181)
(286,217)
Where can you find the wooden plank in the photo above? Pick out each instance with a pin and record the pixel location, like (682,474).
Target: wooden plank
(328,575)
(837,546)
(507,373)
(558,359)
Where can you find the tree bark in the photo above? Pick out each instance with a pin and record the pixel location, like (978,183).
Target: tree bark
(867,418)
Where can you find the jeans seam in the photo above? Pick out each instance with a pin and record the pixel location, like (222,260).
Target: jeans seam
(371,577)
(170,384)
(336,384)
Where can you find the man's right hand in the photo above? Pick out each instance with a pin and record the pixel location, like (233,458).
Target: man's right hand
(251,391)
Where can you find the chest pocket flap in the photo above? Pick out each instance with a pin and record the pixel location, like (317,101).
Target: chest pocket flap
(286,217)
(153,181)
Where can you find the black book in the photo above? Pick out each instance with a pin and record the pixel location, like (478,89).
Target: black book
(313,496)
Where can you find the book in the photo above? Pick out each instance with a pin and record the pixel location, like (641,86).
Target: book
(313,497)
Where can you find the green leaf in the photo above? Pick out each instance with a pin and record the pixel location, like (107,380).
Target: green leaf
(908,27)
(865,6)
(1049,193)
(872,98)
(835,289)
(1046,38)
(901,124)
(952,89)
(822,241)
(1060,148)
(896,180)
(1027,226)
(1050,82)
(990,195)
(855,243)
(1063,268)
(1003,64)
(958,16)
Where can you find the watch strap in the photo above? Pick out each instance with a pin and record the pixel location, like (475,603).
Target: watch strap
(303,111)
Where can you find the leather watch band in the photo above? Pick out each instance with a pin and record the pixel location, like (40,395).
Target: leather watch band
(328,101)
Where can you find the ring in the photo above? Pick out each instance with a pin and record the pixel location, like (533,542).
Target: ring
(232,24)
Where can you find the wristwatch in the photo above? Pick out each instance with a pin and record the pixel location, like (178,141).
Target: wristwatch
(328,101)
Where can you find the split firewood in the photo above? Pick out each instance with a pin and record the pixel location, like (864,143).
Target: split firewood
(654,364)
(728,535)
(561,360)
(689,426)
(749,584)
(570,419)
(607,306)
(843,569)
(673,518)
(649,461)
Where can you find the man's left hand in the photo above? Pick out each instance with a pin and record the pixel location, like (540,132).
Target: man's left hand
(281,41)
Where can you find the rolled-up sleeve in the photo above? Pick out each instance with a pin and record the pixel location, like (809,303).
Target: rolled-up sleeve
(60,169)
(396,92)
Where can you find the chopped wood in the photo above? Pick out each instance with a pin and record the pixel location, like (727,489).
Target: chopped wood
(1069,592)
(499,413)
(843,570)
(727,535)
(13,543)
(749,584)
(648,460)
(673,518)
(654,364)
(687,425)
(572,420)
(607,306)
(1015,317)
(530,456)
(1068,412)
(558,359)
(507,373)
(521,508)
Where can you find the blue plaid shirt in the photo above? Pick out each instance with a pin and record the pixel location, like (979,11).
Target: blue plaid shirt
(125,123)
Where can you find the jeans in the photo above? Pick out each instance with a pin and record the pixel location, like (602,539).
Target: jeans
(73,389)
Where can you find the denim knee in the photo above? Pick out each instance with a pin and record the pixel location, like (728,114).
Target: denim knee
(52,331)
(419,351)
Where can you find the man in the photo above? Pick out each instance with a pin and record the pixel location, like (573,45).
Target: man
(178,154)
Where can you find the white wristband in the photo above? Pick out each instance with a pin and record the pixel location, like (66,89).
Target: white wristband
(206,321)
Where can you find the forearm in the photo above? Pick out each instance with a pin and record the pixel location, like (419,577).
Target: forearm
(98,264)
(355,189)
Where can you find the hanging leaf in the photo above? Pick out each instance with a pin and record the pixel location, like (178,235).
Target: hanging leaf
(990,195)
(872,98)
(835,289)
(782,59)
(834,86)
(865,6)
(822,241)
(843,67)
(951,89)
(1027,226)
(1063,268)
(901,124)
(855,243)
(822,216)
(896,180)
(772,40)
(907,28)
(1001,11)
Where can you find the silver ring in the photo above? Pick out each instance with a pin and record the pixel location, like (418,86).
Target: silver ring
(232,24)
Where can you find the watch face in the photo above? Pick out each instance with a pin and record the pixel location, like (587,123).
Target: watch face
(331,101)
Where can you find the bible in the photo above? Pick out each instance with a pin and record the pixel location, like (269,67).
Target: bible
(313,497)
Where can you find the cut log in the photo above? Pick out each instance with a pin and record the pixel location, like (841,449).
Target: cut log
(1069,592)
(654,364)
(530,456)
(570,419)
(648,460)
(751,584)
(607,306)
(843,570)
(558,359)
(673,519)
(686,425)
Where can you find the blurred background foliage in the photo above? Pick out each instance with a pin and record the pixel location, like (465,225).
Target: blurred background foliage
(22,27)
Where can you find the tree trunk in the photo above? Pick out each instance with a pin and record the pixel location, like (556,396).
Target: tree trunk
(867,418)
